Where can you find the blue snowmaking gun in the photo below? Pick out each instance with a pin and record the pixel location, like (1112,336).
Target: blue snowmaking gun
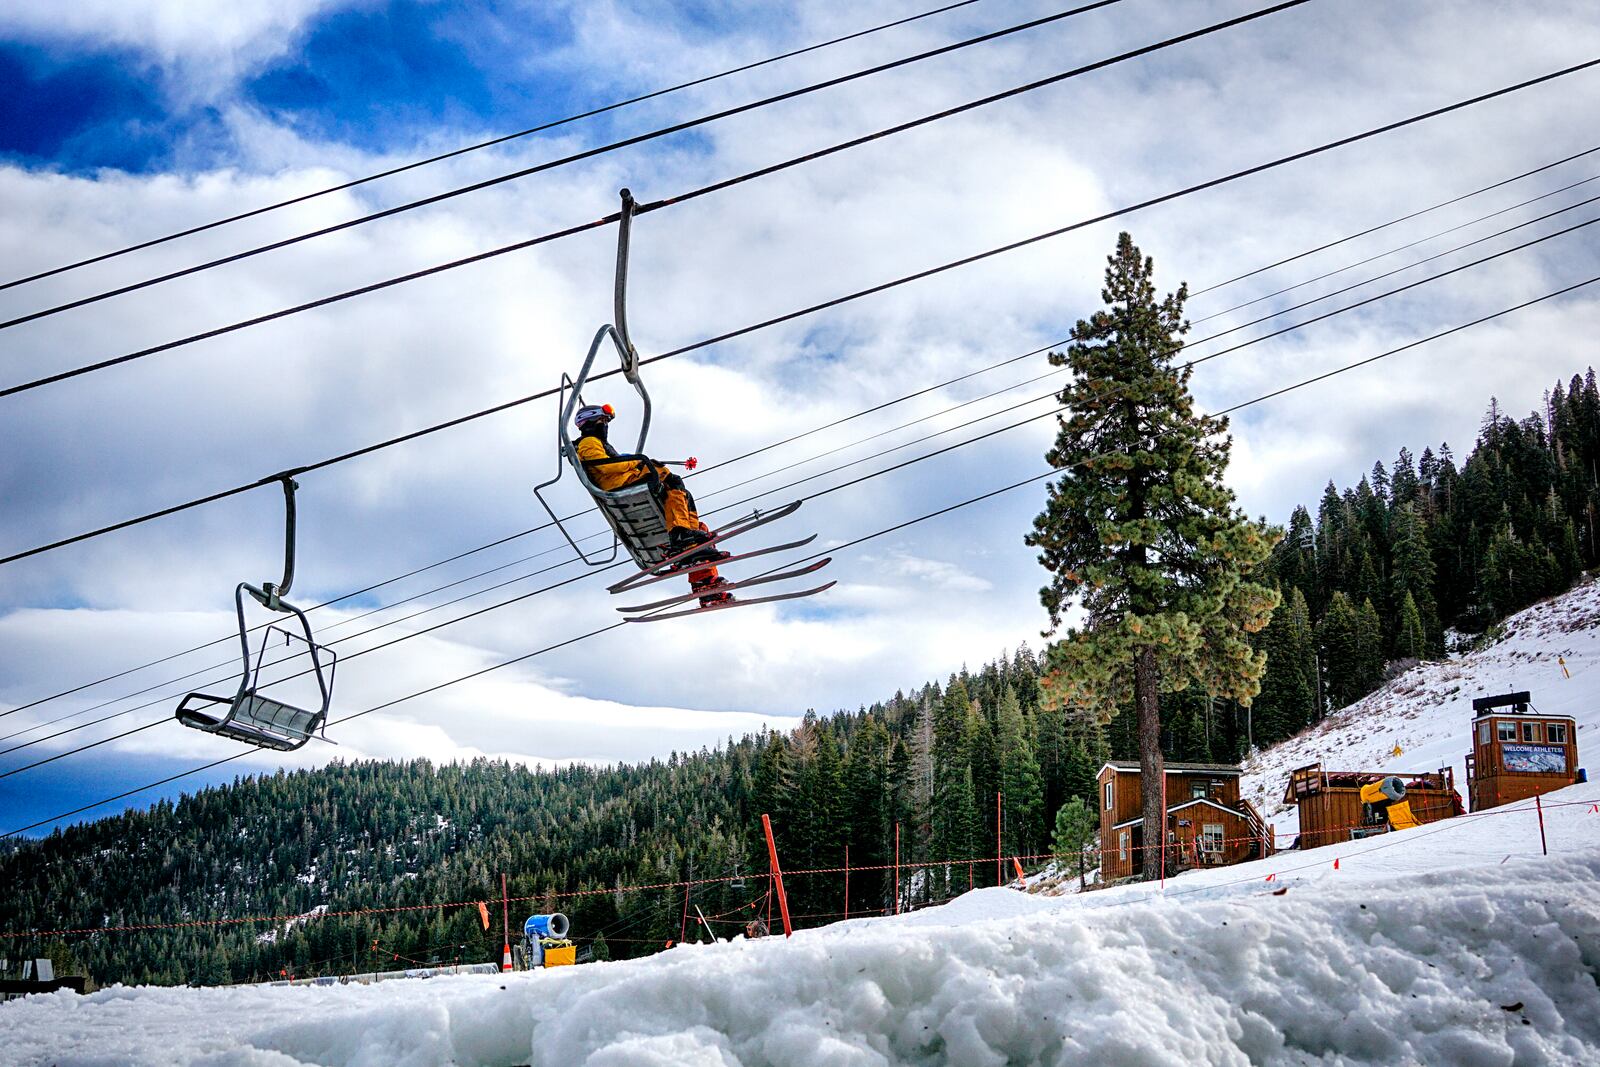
(546,936)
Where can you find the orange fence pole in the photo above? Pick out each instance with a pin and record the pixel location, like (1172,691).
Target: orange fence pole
(847,881)
(777,875)
(998,837)
(505,917)
(1539,806)
(897,868)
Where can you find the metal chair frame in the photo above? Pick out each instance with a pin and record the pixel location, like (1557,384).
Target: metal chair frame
(634,512)
(252,718)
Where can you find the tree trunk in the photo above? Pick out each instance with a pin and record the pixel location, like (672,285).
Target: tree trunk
(1152,769)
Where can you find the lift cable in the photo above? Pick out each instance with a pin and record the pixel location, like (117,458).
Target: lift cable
(1396,221)
(892,529)
(978,399)
(599,150)
(274,478)
(988,435)
(874,409)
(1192,362)
(1412,244)
(501,139)
(527,595)
(1378,296)
(543,570)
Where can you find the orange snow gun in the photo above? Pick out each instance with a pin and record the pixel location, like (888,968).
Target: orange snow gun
(1390,794)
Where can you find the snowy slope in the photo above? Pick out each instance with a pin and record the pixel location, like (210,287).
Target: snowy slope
(1426,711)
(1458,943)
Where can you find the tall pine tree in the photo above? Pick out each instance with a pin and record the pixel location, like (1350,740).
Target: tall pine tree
(1141,531)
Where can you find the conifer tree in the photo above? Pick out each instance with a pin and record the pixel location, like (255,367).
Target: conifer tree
(1369,649)
(1341,656)
(1412,575)
(1019,777)
(1141,531)
(1074,833)
(1412,641)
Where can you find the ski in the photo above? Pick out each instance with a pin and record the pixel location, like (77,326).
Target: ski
(671,565)
(732,604)
(646,578)
(728,587)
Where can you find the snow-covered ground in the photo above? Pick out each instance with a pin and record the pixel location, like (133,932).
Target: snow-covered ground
(1458,943)
(1427,710)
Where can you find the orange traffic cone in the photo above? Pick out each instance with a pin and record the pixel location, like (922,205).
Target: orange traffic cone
(505,960)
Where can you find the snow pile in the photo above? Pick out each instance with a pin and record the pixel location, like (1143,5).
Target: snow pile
(1457,943)
(1426,711)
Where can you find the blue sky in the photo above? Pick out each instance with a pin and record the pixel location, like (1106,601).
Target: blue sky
(125,119)
(367,76)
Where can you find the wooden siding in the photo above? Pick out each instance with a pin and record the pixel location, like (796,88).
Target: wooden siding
(1329,815)
(1126,801)
(1490,784)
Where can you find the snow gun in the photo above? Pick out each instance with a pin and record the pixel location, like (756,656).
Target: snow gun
(1390,793)
(546,936)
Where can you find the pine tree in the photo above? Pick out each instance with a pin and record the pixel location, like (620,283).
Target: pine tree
(1019,777)
(1141,530)
(1074,833)
(1412,640)
(1341,655)
(1369,648)
(1412,575)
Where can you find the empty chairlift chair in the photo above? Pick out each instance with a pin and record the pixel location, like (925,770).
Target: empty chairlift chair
(249,715)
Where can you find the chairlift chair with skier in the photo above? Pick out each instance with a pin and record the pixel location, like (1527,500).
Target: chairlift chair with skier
(252,717)
(650,512)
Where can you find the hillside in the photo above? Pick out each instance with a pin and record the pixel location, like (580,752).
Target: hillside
(1425,711)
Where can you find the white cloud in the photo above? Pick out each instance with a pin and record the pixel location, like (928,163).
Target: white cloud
(218,39)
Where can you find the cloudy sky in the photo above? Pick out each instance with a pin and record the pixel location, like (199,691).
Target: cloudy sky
(121,122)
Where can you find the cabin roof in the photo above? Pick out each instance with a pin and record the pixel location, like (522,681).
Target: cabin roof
(1415,781)
(1123,766)
(1186,804)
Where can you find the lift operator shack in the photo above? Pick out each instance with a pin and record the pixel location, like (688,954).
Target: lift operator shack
(1517,752)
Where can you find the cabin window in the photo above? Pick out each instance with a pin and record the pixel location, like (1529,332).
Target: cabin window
(1122,846)
(1197,790)
(1211,838)
(1556,732)
(1109,788)
(1483,733)
(1505,731)
(1531,734)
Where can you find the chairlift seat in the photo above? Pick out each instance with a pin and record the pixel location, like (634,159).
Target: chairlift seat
(252,718)
(636,516)
(261,720)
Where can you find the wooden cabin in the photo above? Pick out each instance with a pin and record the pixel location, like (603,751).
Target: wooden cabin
(1208,824)
(1517,752)
(1331,809)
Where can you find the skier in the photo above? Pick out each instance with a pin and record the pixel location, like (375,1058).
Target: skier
(610,470)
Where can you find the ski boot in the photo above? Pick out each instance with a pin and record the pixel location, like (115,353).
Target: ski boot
(708,588)
(683,538)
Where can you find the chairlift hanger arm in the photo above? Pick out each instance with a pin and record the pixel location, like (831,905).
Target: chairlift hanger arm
(271,596)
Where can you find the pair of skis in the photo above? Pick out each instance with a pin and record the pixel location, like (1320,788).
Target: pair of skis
(677,565)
